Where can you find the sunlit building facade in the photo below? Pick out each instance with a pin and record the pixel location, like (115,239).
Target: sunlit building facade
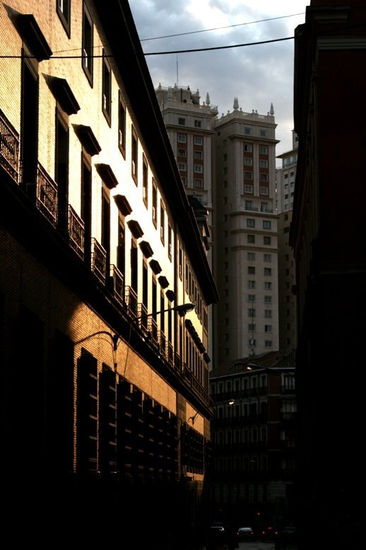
(105,375)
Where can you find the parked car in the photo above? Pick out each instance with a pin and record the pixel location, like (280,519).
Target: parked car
(245,533)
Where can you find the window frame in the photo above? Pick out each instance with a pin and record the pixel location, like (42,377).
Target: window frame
(64,14)
(87,53)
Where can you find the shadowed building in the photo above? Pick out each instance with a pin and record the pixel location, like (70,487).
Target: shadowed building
(327,235)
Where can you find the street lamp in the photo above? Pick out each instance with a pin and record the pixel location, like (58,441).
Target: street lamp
(181,309)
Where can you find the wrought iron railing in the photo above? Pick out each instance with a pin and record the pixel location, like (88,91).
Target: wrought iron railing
(98,260)
(76,232)
(142,316)
(153,329)
(46,198)
(9,148)
(131,301)
(117,283)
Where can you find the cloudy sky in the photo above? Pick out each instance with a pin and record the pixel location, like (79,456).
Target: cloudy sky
(257,75)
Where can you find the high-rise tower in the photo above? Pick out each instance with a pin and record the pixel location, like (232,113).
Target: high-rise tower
(245,235)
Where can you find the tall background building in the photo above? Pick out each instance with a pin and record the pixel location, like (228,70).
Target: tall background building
(245,235)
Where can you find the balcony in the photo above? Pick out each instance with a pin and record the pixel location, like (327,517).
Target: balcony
(117,284)
(9,148)
(46,197)
(98,260)
(76,232)
(131,301)
(153,329)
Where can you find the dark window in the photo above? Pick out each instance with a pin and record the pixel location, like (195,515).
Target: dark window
(106,224)
(162,316)
(106,90)
(145,180)
(29,122)
(121,125)
(121,246)
(134,265)
(62,169)
(87,45)
(63,10)
(154,298)
(144,285)
(154,205)
(87,413)
(86,204)
(134,155)
(108,421)
(162,222)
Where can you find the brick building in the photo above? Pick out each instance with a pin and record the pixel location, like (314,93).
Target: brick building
(105,409)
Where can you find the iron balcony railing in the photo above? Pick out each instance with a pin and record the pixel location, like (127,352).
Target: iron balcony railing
(9,148)
(46,197)
(117,284)
(131,301)
(98,260)
(76,232)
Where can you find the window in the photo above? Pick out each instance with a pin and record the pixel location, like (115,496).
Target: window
(170,241)
(249,189)
(251,284)
(162,222)
(145,286)
(197,123)
(134,155)
(267,224)
(29,128)
(251,312)
(268,313)
(145,174)
(268,299)
(248,175)
(106,223)
(63,10)
(182,153)
(106,89)
(154,204)
(182,138)
(262,133)
(267,257)
(133,265)
(86,204)
(250,222)
(182,121)
(251,239)
(62,168)
(263,190)
(267,286)
(267,328)
(248,147)
(121,245)
(251,327)
(182,166)
(267,271)
(251,270)
(251,256)
(197,140)
(263,163)
(248,161)
(87,45)
(247,130)
(263,177)
(198,168)
(263,149)
(121,124)
(198,183)
(197,154)
(266,240)
(251,297)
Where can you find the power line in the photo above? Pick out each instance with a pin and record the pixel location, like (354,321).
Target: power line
(157,53)
(219,28)
(221,47)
